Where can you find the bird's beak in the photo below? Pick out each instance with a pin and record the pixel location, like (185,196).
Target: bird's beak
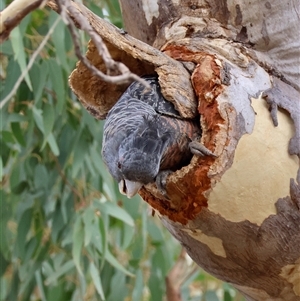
(129,188)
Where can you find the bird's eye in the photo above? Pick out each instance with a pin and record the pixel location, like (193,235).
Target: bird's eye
(119,165)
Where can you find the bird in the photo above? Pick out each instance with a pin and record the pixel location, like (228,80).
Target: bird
(145,138)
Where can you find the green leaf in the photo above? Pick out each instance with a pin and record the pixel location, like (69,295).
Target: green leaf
(24,23)
(16,39)
(23,228)
(127,237)
(96,279)
(40,177)
(30,247)
(80,151)
(58,38)
(11,78)
(137,250)
(48,118)
(211,296)
(15,177)
(96,9)
(63,269)
(14,286)
(116,211)
(144,229)
(154,232)
(38,118)
(16,129)
(113,261)
(1,169)
(90,166)
(159,260)
(156,284)
(137,293)
(3,263)
(78,235)
(14,117)
(39,282)
(118,287)
(20,187)
(8,137)
(6,47)
(58,223)
(227,296)
(57,84)
(53,145)
(103,237)
(39,74)
(88,220)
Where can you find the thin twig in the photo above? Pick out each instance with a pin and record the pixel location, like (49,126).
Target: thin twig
(30,63)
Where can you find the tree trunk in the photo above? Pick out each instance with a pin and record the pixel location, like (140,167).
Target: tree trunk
(237,215)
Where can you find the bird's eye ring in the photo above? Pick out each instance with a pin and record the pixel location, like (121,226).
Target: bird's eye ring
(119,165)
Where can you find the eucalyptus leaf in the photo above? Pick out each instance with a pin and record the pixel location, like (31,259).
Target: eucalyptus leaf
(40,285)
(38,118)
(63,269)
(58,38)
(227,296)
(11,78)
(16,39)
(58,87)
(39,74)
(53,145)
(48,118)
(113,261)
(211,296)
(23,228)
(17,131)
(138,287)
(78,235)
(8,137)
(14,117)
(1,169)
(96,279)
(88,219)
(118,287)
(116,211)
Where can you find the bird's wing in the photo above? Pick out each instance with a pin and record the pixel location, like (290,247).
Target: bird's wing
(152,97)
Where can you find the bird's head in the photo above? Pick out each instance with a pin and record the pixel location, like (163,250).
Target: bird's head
(139,159)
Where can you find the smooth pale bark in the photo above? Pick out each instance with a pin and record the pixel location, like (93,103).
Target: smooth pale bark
(237,215)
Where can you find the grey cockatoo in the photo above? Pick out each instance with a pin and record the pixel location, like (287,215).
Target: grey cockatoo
(145,138)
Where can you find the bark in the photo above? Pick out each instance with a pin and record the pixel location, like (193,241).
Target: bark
(237,215)
(14,13)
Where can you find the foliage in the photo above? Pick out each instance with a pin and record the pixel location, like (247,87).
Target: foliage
(66,232)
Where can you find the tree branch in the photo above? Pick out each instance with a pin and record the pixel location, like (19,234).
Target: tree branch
(13,14)
(179,273)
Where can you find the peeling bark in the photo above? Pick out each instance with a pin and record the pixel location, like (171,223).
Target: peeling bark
(230,62)
(283,96)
